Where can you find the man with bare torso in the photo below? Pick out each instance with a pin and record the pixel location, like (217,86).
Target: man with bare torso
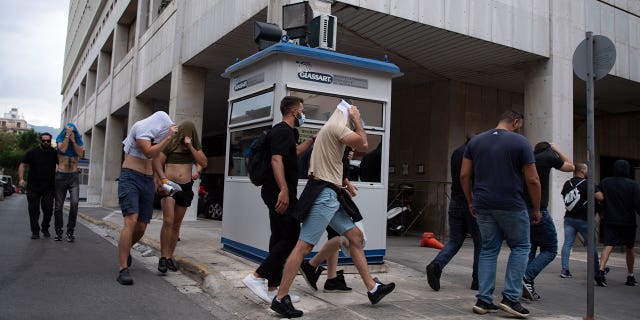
(69,143)
(145,141)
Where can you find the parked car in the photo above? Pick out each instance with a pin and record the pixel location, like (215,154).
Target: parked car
(7,185)
(210,196)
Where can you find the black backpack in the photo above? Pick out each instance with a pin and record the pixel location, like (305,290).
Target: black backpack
(259,159)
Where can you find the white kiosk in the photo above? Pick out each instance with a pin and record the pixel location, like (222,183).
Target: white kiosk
(321,78)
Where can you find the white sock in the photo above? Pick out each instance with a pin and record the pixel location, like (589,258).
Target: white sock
(631,274)
(374,288)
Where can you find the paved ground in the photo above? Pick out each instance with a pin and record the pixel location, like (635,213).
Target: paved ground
(199,253)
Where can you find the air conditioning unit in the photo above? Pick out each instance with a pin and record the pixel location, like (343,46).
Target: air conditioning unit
(322,32)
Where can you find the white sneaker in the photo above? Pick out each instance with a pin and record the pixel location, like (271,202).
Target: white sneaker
(257,286)
(274,293)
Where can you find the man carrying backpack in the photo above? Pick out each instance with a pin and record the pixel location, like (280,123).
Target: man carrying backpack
(279,195)
(574,194)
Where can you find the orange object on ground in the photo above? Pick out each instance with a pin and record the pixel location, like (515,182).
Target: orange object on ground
(429,240)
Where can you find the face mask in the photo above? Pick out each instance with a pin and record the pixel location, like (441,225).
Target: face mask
(300,121)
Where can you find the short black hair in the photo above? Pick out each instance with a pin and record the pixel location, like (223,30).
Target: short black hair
(511,115)
(288,103)
(541,146)
(45,134)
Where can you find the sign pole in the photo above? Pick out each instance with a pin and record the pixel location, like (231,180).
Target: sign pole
(590,179)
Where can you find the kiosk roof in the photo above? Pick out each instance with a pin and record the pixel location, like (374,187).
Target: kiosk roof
(320,54)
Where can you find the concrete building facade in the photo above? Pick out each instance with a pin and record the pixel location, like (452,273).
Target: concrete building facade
(464,62)
(14,122)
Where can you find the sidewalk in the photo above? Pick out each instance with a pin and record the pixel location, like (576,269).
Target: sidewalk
(199,253)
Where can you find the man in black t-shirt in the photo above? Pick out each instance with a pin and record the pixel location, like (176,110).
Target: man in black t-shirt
(279,193)
(574,193)
(621,200)
(42,163)
(543,234)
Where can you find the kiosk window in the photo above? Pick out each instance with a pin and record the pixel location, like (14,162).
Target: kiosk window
(367,166)
(319,107)
(239,149)
(251,109)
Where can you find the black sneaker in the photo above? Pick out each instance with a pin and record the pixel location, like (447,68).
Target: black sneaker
(58,237)
(529,290)
(433,275)
(513,307)
(631,281)
(311,274)
(162,265)
(46,233)
(482,307)
(474,284)
(171,265)
(129,261)
(70,237)
(600,279)
(383,290)
(124,278)
(337,284)
(35,236)
(285,308)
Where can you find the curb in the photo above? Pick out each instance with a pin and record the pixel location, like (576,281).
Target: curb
(192,268)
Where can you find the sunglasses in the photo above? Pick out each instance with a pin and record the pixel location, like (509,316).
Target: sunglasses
(46,141)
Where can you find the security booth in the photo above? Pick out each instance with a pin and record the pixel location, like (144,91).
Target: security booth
(321,78)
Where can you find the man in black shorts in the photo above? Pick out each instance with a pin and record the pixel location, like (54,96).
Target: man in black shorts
(621,201)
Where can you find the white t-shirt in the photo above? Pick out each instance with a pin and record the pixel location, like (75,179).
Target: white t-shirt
(326,158)
(154,128)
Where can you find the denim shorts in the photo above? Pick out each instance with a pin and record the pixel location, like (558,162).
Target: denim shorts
(325,211)
(135,193)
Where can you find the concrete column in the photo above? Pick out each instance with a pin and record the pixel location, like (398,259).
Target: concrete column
(186,102)
(96,158)
(112,160)
(548,97)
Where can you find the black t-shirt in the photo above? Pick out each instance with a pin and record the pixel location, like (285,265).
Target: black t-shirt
(579,211)
(456,164)
(621,200)
(42,169)
(282,141)
(545,160)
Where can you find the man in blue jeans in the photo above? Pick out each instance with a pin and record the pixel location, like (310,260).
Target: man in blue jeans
(460,223)
(501,162)
(543,235)
(574,193)
(70,149)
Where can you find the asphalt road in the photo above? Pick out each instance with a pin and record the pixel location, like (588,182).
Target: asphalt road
(45,279)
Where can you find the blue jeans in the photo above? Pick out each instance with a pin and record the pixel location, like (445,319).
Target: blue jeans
(571,228)
(496,226)
(461,222)
(66,182)
(543,236)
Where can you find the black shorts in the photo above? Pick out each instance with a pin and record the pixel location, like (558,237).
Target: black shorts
(615,235)
(183,198)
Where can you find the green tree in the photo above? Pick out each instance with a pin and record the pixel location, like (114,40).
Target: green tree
(28,140)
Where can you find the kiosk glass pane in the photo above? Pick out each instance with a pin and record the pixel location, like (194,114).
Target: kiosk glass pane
(253,108)
(319,107)
(367,166)
(239,149)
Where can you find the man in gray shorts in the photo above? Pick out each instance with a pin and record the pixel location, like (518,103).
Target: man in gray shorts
(319,206)
(135,185)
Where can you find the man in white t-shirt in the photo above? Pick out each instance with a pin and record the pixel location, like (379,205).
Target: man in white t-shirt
(326,184)
(145,141)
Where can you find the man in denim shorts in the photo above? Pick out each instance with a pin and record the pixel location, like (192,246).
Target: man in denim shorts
(325,209)
(135,185)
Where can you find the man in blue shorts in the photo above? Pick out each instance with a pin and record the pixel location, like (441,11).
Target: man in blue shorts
(145,140)
(501,162)
(324,201)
